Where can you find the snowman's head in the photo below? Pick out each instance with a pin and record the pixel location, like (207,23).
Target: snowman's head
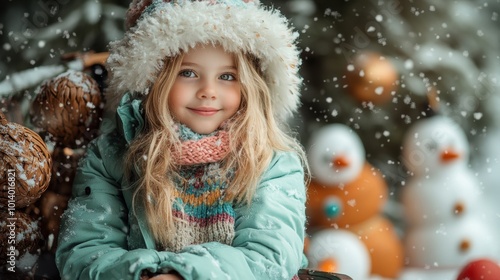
(336,154)
(339,250)
(434,145)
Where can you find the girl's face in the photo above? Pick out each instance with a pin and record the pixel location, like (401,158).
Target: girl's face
(207,90)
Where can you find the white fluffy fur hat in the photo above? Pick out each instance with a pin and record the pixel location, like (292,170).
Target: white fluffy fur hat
(162,28)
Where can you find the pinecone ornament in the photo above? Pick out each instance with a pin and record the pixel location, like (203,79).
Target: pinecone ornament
(68,108)
(28,240)
(25,166)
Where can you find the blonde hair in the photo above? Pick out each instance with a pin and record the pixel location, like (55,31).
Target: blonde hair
(254,136)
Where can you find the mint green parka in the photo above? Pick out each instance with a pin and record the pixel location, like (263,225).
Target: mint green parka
(102,238)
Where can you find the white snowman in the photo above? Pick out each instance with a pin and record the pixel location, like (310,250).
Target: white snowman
(442,198)
(340,251)
(348,193)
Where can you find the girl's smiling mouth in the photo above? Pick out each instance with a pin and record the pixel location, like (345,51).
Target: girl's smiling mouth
(204,111)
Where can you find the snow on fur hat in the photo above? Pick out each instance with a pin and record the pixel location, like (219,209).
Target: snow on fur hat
(160,28)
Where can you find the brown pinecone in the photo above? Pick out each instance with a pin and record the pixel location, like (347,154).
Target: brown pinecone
(28,240)
(68,108)
(25,168)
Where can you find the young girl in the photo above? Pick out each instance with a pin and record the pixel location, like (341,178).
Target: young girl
(195,177)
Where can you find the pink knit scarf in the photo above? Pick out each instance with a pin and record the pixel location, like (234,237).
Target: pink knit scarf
(208,149)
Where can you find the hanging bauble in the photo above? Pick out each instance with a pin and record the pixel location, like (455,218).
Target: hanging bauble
(371,78)
(483,268)
(25,165)
(68,108)
(28,240)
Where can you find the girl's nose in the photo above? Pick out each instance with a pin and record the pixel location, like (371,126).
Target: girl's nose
(207,91)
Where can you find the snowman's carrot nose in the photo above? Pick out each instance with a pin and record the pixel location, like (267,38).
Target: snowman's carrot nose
(327,265)
(340,161)
(449,155)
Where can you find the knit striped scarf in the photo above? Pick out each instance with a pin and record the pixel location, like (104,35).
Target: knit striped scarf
(198,149)
(202,210)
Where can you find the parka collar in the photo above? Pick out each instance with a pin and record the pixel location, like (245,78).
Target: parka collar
(130,117)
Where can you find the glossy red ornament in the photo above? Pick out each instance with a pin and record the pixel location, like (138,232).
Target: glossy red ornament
(480,269)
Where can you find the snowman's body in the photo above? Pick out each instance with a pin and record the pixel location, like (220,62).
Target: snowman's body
(440,197)
(450,244)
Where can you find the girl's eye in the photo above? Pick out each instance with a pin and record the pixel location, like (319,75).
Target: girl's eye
(187,74)
(227,77)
